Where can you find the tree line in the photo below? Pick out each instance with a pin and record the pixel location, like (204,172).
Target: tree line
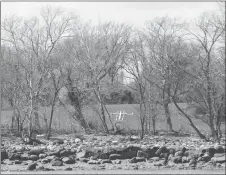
(55,60)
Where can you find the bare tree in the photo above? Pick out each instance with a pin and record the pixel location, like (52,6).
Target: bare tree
(133,67)
(156,48)
(97,50)
(33,43)
(208,37)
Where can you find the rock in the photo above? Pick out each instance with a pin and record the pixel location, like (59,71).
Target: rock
(8,162)
(219,154)
(85,160)
(93,158)
(44,161)
(115,156)
(133,160)
(219,159)
(154,159)
(142,154)
(134,138)
(48,169)
(4,155)
(68,160)
(33,157)
(192,162)
(41,156)
(211,151)
(185,159)
(171,150)
(140,159)
(128,154)
(115,142)
(55,153)
(35,151)
(204,158)
(219,149)
(117,161)
(187,153)
(77,140)
(14,156)
(149,151)
(41,168)
(82,154)
(177,159)
(56,163)
(164,155)
(59,141)
(50,158)
(161,163)
(32,166)
(93,162)
(162,149)
(179,154)
(132,148)
(65,153)
(18,162)
(68,169)
(106,161)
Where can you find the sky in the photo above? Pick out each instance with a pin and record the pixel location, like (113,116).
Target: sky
(132,13)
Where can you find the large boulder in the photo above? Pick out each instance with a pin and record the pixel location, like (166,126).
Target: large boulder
(55,153)
(219,154)
(68,160)
(33,157)
(211,151)
(219,149)
(162,149)
(32,166)
(171,150)
(65,153)
(115,156)
(35,152)
(142,154)
(82,154)
(150,151)
(128,154)
(177,159)
(219,159)
(14,156)
(4,155)
(56,163)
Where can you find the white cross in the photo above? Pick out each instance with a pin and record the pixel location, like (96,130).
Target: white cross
(120,115)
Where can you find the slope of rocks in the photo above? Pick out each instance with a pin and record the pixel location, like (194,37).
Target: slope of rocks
(112,152)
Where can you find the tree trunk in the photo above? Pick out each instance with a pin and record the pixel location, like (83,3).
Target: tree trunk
(18,122)
(189,119)
(109,118)
(166,98)
(153,124)
(142,120)
(104,117)
(82,120)
(168,119)
(51,117)
(102,110)
(36,117)
(210,101)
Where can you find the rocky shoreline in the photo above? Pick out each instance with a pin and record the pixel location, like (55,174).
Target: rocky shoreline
(112,152)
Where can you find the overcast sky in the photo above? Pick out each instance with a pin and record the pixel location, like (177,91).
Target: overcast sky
(133,13)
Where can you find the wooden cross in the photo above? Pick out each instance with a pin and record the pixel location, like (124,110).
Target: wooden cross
(120,115)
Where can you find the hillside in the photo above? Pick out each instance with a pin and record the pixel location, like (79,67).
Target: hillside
(64,121)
